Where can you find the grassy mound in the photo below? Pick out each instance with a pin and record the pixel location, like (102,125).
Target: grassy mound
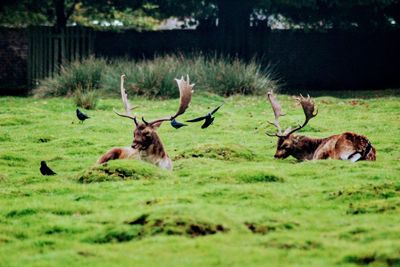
(146,225)
(256,176)
(217,151)
(369,191)
(248,175)
(116,170)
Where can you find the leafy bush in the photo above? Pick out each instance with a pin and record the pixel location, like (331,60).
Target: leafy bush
(155,77)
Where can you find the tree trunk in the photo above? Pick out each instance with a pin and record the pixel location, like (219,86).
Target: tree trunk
(63,12)
(61,19)
(233,25)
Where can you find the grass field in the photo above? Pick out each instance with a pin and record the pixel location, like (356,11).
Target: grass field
(227,202)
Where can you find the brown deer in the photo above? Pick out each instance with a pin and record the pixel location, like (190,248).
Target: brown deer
(345,146)
(146,143)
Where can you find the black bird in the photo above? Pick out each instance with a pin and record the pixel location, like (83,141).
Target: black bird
(208,118)
(45,170)
(177,124)
(81,116)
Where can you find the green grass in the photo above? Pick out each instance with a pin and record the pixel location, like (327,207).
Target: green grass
(227,202)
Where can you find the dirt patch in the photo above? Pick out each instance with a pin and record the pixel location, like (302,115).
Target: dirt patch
(217,151)
(146,225)
(373,258)
(3,177)
(85,253)
(172,225)
(304,245)
(354,102)
(372,207)
(264,228)
(117,170)
(141,220)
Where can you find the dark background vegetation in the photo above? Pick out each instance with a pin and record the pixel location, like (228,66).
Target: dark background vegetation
(314,44)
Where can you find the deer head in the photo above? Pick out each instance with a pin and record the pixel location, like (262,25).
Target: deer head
(145,133)
(287,142)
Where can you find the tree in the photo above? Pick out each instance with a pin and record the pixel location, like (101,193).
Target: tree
(59,12)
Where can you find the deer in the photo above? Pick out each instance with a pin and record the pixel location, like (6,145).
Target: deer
(147,145)
(344,146)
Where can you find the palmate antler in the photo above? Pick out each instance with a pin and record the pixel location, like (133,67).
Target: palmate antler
(125,102)
(276,107)
(308,106)
(185,91)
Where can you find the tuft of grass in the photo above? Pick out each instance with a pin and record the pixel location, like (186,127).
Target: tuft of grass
(86,99)
(79,75)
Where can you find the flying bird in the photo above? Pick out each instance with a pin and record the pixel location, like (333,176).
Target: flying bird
(45,170)
(209,119)
(177,124)
(81,116)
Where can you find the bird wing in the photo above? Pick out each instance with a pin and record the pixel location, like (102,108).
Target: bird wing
(207,123)
(197,119)
(215,110)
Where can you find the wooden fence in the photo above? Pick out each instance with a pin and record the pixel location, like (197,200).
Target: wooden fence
(50,49)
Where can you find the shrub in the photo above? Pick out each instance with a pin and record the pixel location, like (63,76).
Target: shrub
(155,77)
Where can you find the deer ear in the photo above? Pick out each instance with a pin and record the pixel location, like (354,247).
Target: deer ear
(156,125)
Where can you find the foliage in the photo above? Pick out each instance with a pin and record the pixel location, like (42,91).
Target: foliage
(155,78)
(233,206)
(114,18)
(144,15)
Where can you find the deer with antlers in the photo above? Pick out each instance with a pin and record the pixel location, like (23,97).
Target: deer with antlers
(345,146)
(146,143)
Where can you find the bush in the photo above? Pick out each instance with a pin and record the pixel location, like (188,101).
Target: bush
(155,77)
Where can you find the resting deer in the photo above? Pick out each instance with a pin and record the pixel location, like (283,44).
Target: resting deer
(146,144)
(345,146)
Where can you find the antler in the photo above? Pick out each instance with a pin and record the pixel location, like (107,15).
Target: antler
(185,91)
(276,107)
(126,103)
(308,108)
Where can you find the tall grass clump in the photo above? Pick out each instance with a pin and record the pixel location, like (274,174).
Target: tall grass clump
(86,99)
(83,75)
(155,77)
(228,76)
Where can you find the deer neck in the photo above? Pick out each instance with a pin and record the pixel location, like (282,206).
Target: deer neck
(155,152)
(304,147)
